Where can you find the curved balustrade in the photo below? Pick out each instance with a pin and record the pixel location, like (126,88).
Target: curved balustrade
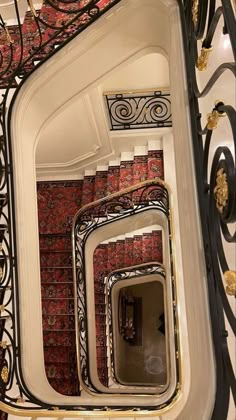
(151,274)
(147,202)
(216,179)
(216,186)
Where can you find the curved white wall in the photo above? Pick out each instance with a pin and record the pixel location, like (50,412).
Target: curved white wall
(136,27)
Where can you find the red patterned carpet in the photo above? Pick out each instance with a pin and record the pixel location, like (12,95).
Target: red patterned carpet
(58,202)
(115,255)
(38,31)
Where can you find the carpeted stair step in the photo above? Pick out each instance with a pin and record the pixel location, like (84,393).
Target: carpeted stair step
(157,253)
(113,177)
(55,259)
(140,168)
(62,355)
(126,170)
(56,275)
(88,188)
(120,253)
(58,370)
(55,243)
(155,159)
(58,202)
(100,264)
(111,257)
(54,339)
(147,247)
(66,386)
(129,248)
(137,250)
(100,309)
(57,290)
(58,322)
(55,306)
(29,32)
(99,297)
(100,183)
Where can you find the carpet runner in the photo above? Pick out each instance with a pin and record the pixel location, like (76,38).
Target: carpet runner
(58,202)
(51,21)
(133,251)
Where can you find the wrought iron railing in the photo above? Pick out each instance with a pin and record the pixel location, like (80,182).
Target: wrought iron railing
(124,274)
(135,200)
(216,177)
(135,110)
(23,48)
(216,188)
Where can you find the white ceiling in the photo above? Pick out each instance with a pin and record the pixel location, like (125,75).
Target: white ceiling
(77,136)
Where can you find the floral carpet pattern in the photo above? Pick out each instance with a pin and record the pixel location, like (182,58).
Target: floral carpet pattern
(32,41)
(58,202)
(113,256)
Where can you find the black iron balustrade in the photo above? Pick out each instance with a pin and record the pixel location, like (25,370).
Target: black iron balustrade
(148,195)
(132,273)
(24,46)
(216,179)
(135,110)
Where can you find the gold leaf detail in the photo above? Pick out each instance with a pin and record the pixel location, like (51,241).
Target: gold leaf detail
(221,190)
(213,119)
(230,280)
(8,36)
(202,60)
(4,374)
(20,400)
(32,8)
(195,12)
(3,344)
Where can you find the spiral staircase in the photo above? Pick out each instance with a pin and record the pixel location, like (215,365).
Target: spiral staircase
(58,202)
(78,364)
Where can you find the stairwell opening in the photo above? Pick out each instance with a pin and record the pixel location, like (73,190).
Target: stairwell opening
(186,222)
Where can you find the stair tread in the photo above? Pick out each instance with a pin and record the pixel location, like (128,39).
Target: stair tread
(133,167)
(66,234)
(59,330)
(58,298)
(57,251)
(57,283)
(56,267)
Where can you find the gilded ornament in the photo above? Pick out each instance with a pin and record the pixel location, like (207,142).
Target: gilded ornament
(4,374)
(221,190)
(20,400)
(214,116)
(1,273)
(213,119)
(158,109)
(202,60)
(8,36)
(230,280)
(195,12)
(32,8)
(2,308)
(3,344)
